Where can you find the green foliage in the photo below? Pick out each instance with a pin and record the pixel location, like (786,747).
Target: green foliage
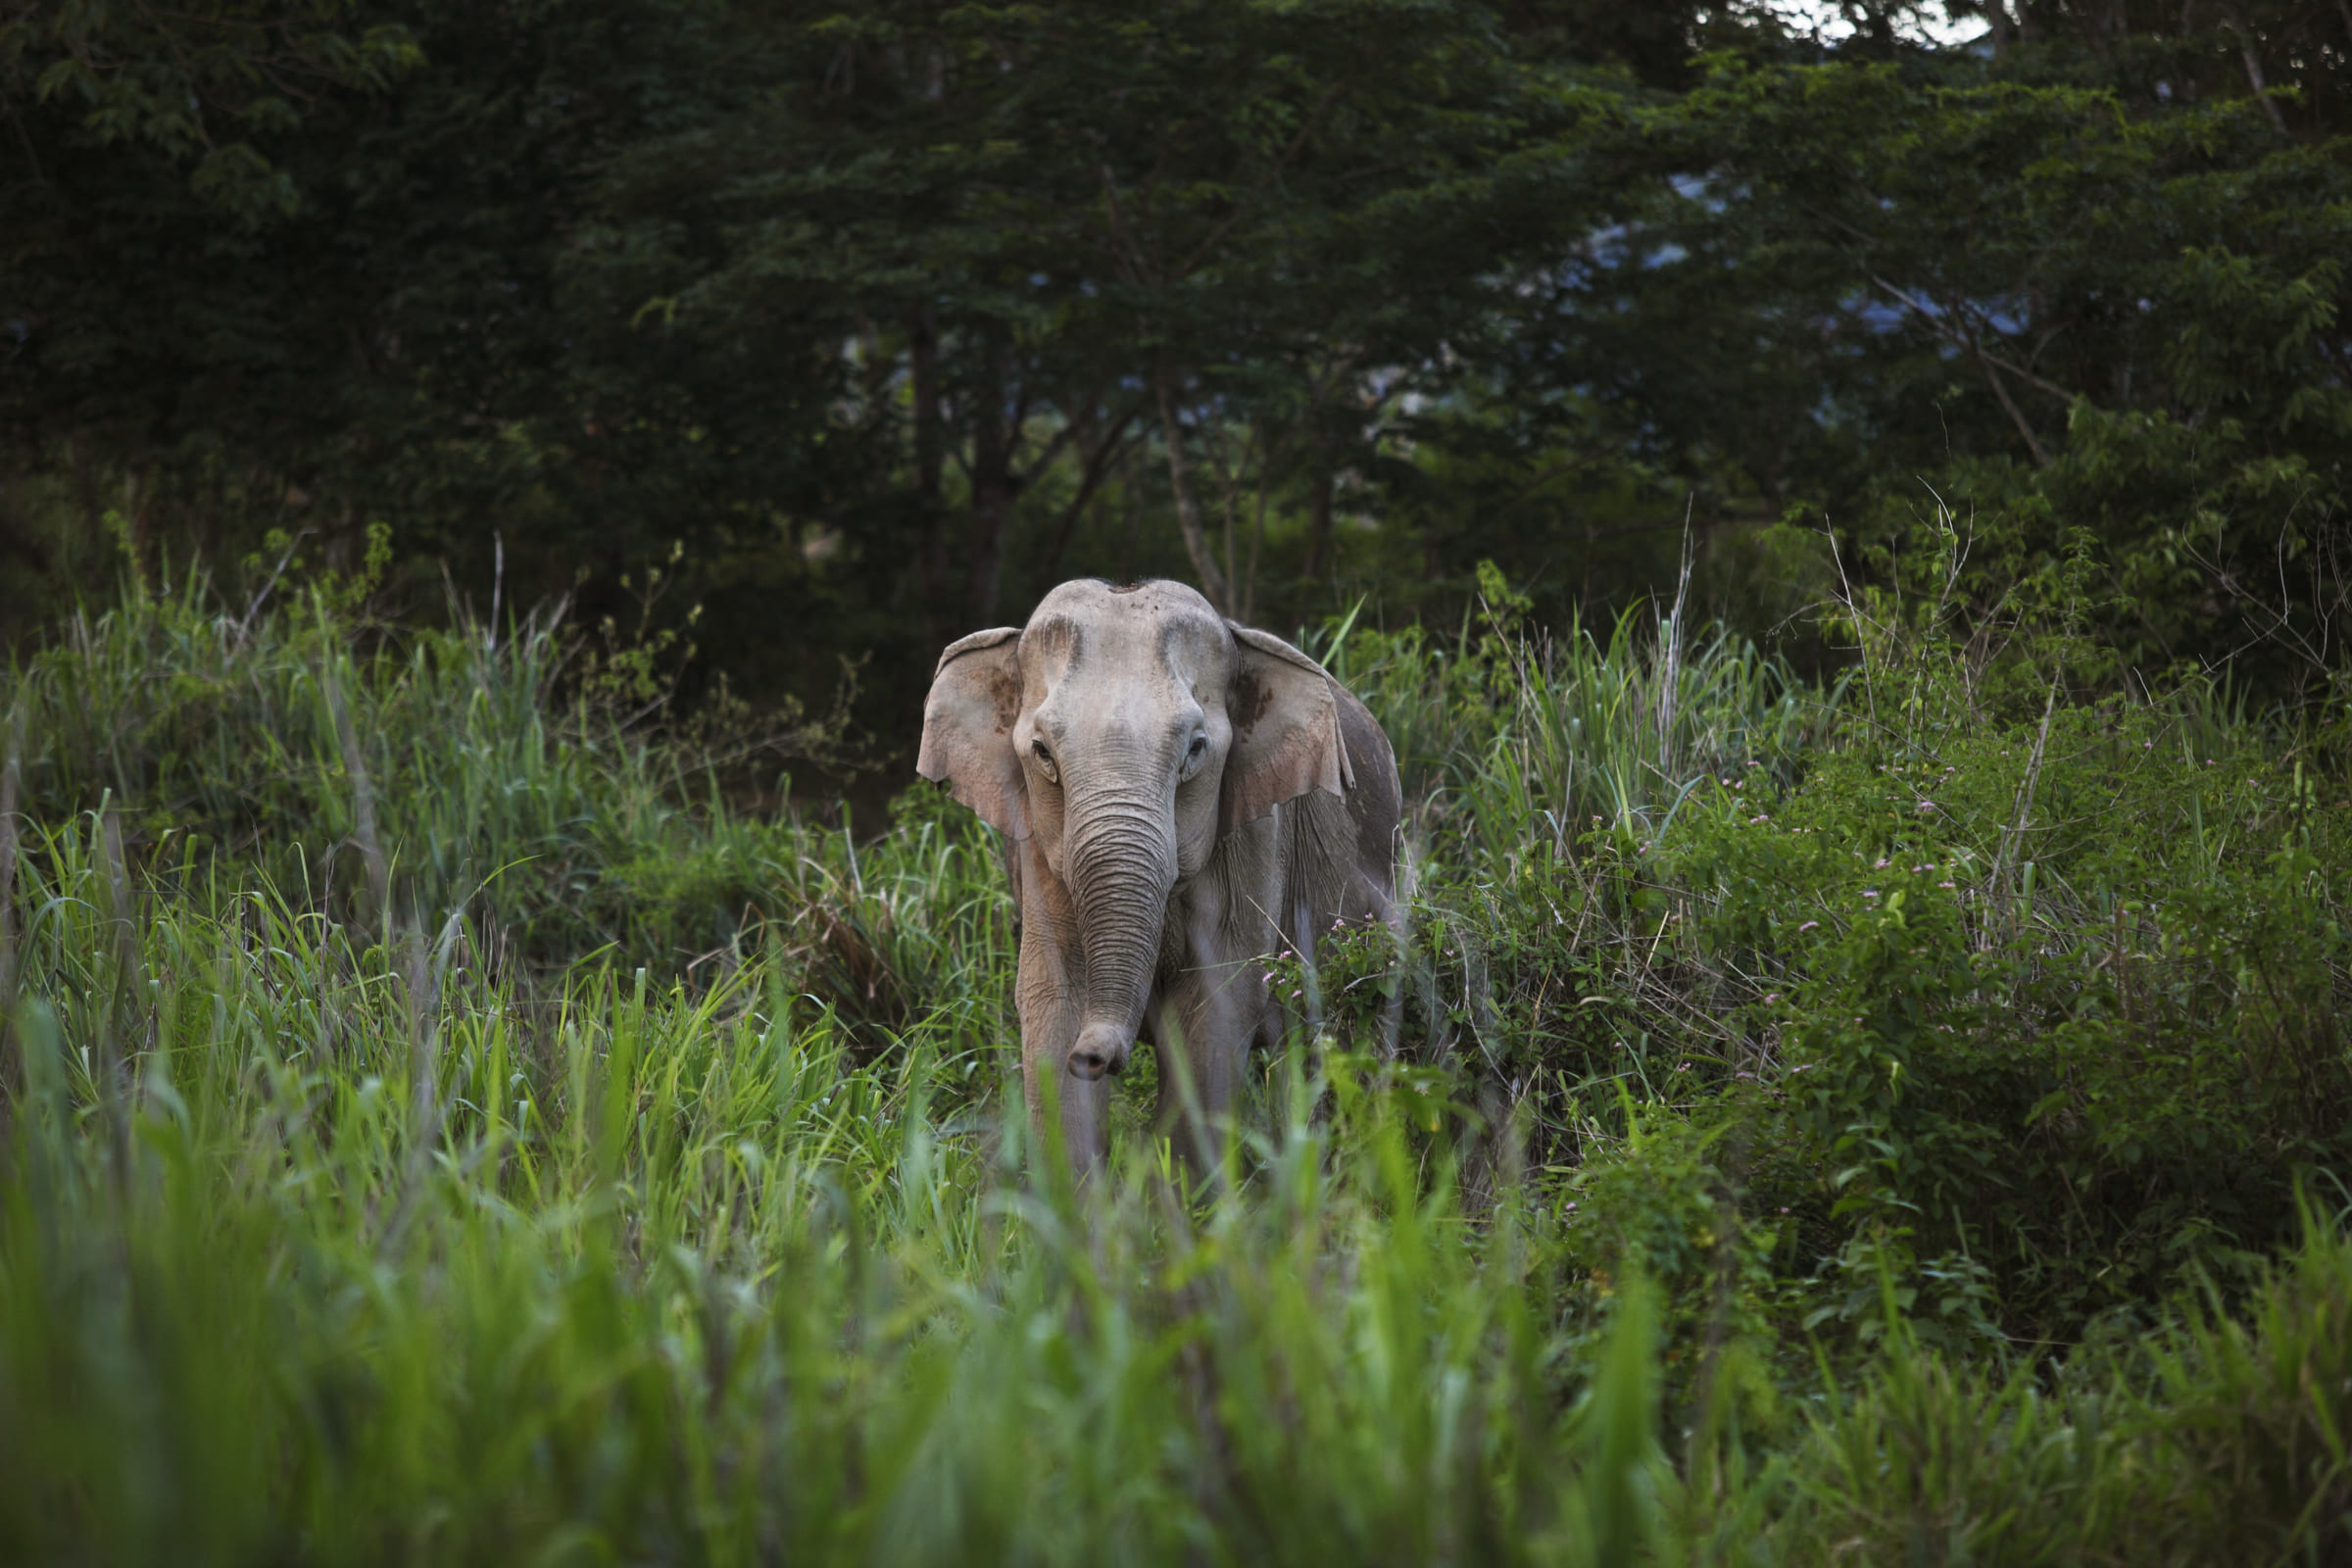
(894,315)
(2100,319)
(2056,998)
(426,776)
(1684,1184)
(202,84)
(2038,1014)
(307,1256)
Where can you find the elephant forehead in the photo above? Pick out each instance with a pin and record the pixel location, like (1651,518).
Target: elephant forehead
(1135,632)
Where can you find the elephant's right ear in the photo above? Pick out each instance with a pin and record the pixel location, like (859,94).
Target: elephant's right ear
(967,728)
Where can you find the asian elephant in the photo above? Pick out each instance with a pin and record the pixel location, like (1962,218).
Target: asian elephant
(1179,798)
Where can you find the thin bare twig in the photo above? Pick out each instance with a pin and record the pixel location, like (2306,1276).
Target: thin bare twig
(2012,837)
(2017,416)
(1935,318)
(245,621)
(1187,514)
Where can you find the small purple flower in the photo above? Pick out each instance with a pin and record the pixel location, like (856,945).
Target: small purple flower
(1808,925)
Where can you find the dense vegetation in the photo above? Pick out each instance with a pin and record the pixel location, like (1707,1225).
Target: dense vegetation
(893,315)
(1846,531)
(1819,1125)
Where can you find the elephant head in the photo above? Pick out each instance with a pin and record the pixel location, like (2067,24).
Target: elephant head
(1120,734)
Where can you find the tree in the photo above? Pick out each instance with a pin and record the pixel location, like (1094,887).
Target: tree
(1062,227)
(2106,320)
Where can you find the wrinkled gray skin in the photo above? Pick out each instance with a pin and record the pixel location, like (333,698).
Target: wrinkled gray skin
(1180,796)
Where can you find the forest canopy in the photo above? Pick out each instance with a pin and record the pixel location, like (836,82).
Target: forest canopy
(868,323)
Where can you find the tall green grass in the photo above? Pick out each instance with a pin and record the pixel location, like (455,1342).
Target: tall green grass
(308,1255)
(439,1125)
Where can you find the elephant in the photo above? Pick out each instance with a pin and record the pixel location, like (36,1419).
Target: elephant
(1178,797)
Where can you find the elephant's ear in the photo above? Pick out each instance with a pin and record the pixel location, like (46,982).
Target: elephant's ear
(967,728)
(1286,729)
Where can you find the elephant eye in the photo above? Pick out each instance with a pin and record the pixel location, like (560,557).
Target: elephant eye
(1045,761)
(1193,754)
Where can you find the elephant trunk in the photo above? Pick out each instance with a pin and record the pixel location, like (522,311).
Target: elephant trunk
(1121,864)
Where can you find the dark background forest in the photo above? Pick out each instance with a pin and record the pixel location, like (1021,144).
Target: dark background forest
(814,336)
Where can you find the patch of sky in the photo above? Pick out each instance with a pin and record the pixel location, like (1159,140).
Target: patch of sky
(1877,315)
(1929,23)
(1606,247)
(1700,188)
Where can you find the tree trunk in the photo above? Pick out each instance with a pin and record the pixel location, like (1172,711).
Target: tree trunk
(1318,516)
(992,488)
(2253,61)
(922,356)
(1187,516)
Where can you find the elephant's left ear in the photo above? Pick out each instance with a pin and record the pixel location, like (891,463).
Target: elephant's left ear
(1286,729)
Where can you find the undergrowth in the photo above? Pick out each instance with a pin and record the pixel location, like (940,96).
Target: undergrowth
(1898,1123)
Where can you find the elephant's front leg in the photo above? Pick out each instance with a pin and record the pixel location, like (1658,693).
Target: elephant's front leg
(1047,991)
(1215,1007)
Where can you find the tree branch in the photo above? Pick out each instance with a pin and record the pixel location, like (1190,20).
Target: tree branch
(1097,468)
(1971,342)
(1187,516)
(1992,378)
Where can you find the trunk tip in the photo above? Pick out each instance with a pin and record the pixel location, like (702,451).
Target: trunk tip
(1102,1047)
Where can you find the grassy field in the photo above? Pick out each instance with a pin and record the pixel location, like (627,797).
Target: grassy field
(1904,1122)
